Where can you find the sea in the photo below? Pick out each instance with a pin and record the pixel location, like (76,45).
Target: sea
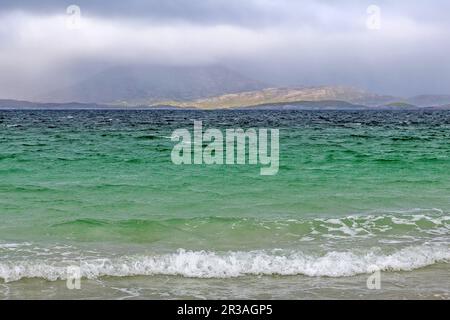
(92,207)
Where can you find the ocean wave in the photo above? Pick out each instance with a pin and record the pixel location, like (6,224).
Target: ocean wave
(418,223)
(206,264)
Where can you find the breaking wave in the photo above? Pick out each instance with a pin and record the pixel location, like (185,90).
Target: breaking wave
(206,264)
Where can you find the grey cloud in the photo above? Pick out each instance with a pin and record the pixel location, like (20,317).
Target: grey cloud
(284,42)
(241,12)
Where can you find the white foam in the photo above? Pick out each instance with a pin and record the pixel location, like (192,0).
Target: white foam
(203,264)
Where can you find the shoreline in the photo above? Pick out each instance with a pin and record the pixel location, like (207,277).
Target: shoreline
(426,283)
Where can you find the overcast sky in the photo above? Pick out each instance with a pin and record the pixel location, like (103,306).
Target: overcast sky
(282,42)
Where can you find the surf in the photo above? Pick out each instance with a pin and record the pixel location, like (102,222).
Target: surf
(232,264)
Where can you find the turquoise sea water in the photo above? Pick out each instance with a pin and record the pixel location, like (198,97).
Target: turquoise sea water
(356,191)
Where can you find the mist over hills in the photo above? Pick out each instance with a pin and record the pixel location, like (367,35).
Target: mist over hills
(209,87)
(133,85)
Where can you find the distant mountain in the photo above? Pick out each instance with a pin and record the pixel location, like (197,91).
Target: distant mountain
(27,105)
(307,105)
(212,87)
(20,104)
(288,95)
(15,104)
(176,87)
(398,105)
(428,100)
(135,85)
(293,105)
